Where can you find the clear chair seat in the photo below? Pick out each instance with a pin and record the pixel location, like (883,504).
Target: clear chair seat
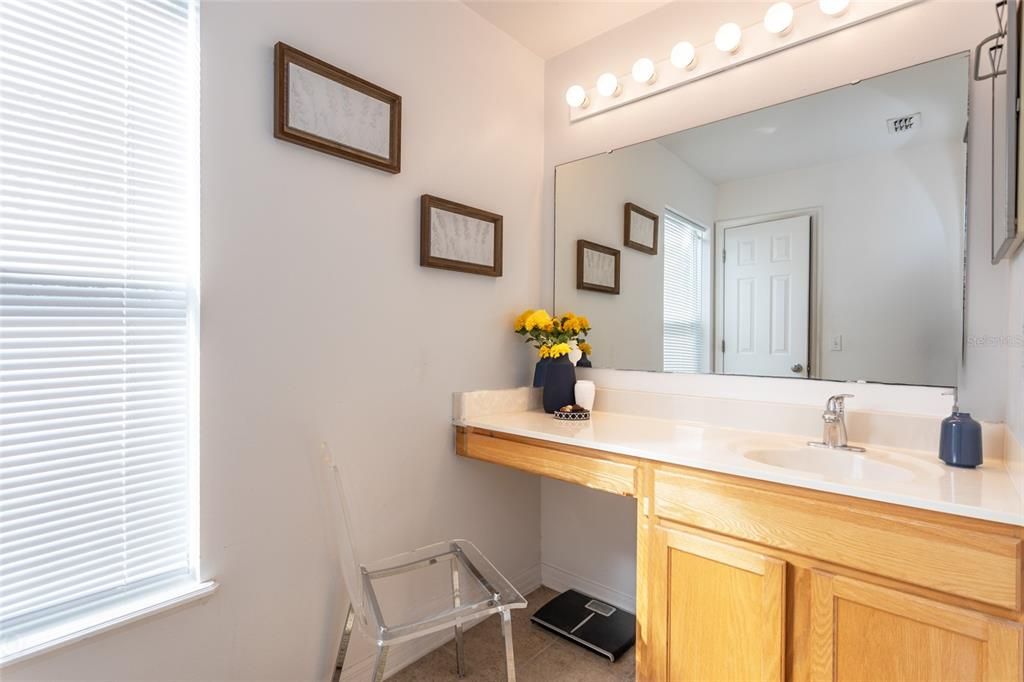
(481,591)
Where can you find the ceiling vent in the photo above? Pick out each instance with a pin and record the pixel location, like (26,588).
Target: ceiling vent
(904,124)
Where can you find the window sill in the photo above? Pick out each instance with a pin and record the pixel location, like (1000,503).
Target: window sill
(67,632)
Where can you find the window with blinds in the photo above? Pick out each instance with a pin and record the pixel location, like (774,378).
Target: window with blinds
(685,327)
(98,308)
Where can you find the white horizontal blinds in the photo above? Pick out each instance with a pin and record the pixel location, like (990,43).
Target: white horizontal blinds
(97,207)
(684,295)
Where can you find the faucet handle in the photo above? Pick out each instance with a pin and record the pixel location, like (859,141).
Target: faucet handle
(837,403)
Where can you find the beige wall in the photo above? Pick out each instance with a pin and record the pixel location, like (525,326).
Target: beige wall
(1014,339)
(318,322)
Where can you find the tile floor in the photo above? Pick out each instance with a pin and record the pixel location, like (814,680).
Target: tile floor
(540,656)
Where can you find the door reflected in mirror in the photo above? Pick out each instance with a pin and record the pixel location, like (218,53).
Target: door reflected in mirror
(818,238)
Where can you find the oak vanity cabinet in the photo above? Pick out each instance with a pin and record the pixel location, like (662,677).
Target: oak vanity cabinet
(751,581)
(742,580)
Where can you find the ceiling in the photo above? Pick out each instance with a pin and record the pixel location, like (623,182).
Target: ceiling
(550,28)
(841,123)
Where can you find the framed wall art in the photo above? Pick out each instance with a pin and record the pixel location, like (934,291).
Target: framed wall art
(322,107)
(597,267)
(641,229)
(454,236)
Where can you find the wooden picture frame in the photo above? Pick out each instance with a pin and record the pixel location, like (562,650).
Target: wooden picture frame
(603,276)
(305,86)
(640,228)
(455,236)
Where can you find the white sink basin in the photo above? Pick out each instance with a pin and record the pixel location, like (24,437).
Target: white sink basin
(842,464)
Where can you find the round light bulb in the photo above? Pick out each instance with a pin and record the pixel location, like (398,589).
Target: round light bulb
(833,8)
(576,97)
(608,85)
(684,56)
(643,70)
(728,37)
(779,18)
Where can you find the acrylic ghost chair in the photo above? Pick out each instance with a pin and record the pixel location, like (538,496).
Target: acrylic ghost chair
(471,588)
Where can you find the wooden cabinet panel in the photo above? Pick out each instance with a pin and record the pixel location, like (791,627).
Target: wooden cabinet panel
(842,532)
(863,632)
(610,475)
(719,612)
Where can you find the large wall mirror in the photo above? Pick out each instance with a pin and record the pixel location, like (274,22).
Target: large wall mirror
(819,238)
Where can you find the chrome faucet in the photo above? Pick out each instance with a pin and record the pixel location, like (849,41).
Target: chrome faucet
(834,433)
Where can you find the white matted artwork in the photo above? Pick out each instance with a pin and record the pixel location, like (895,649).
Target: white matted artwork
(455,236)
(320,106)
(458,237)
(641,229)
(597,267)
(330,110)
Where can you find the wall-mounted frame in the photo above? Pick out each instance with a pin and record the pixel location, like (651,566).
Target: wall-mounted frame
(597,267)
(1001,52)
(640,228)
(454,236)
(320,106)
(1015,177)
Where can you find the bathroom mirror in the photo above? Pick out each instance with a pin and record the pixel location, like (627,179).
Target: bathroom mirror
(818,238)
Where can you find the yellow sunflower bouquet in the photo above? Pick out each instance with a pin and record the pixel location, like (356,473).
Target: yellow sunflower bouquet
(552,335)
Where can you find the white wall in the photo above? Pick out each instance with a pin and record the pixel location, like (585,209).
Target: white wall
(1014,340)
(880,46)
(574,549)
(319,323)
(591,194)
(888,243)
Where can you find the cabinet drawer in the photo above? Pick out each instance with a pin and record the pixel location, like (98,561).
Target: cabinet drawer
(594,472)
(985,567)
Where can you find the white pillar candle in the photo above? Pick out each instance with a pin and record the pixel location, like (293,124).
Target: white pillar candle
(585,391)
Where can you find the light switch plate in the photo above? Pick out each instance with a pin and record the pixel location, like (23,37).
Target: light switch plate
(837,342)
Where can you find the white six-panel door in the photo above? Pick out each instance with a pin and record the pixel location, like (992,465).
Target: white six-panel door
(766,283)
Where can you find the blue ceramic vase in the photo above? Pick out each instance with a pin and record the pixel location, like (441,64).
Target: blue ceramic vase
(559,384)
(539,370)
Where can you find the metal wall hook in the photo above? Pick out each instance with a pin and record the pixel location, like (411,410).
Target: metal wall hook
(995,57)
(997,49)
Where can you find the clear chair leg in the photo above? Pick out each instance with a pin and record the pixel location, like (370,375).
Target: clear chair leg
(460,654)
(346,637)
(510,661)
(378,665)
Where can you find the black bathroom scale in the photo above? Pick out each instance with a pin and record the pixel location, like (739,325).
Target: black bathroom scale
(588,622)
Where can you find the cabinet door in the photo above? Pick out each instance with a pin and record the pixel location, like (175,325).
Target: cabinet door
(860,631)
(718,610)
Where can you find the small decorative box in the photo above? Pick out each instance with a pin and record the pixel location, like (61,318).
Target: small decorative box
(572,413)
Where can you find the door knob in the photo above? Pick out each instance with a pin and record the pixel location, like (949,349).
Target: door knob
(797,368)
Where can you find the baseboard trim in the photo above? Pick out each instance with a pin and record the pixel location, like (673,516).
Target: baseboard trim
(561,580)
(404,655)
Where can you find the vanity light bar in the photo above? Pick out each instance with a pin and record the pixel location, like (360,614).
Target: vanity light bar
(785,25)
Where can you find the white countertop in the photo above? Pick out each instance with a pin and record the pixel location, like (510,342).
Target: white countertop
(918,480)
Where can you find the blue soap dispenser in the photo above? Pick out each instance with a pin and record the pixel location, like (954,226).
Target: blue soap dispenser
(960,439)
